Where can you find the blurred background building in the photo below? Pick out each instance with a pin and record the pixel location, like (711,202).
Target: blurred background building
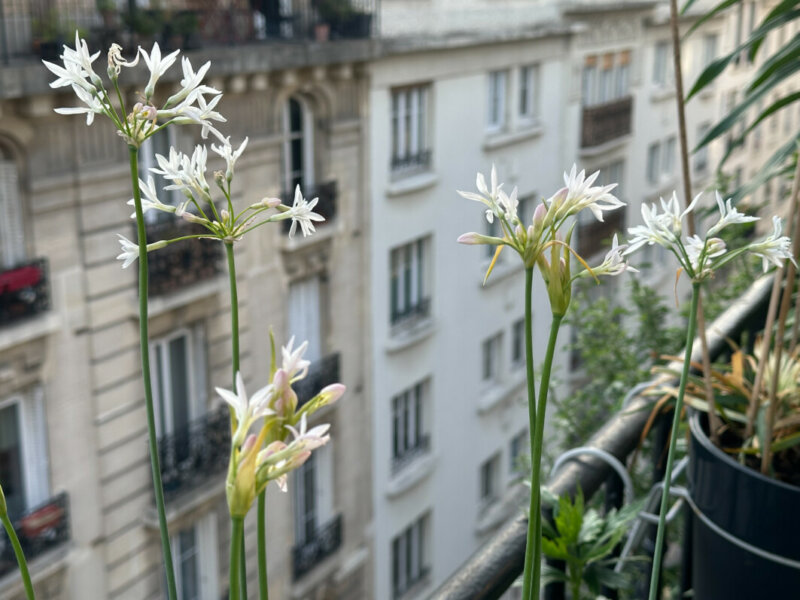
(382,109)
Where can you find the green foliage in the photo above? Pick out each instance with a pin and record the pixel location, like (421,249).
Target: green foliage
(585,540)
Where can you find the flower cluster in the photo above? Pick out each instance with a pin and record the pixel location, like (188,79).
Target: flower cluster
(701,257)
(532,240)
(284,441)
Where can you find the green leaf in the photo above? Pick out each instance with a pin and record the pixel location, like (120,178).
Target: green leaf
(773,166)
(710,73)
(552,575)
(786,442)
(785,54)
(708,15)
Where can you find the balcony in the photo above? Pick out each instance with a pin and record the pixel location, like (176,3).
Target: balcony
(411,314)
(409,455)
(38,29)
(326,206)
(322,372)
(189,456)
(594,237)
(24,291)
(411,163)
(606,122)
(326,540)
(40,529)
(181,264)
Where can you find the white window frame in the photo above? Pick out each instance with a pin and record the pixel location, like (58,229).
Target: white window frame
(654,163)
(492,358)
(196,362)
(306,137)
(516,448)
(663,71)
(411,543)
(518,343)
(206,555)
(670,156)
(497,105)
(408,419)
(321,464)
(408,278)
(489,480)
(710,49)
(529,93)
(410,110)
(12,233)
(32,428)
(305,314)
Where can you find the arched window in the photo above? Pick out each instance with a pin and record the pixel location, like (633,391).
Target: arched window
(298,147)
(12,235)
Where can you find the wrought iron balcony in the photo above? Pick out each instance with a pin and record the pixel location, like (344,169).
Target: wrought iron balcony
(184,263)
(322,372)
(409,455)
(189,456)
(24,291)
(326,540)
(596,236)
(605,122)
(421,161)
(40,529)
(29,29)
(326,206)
(411,314)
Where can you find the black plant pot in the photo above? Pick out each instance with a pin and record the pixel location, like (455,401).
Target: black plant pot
(760,511)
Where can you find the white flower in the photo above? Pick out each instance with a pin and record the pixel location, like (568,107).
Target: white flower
(157,66)
(614,264)
(578,194)
(71,74)
(130,251)
(191,84)
(662,228)
(672,214)
(150,199)
(311,439)
(202,114)
(246,411)
(301,212)
(188,174)
(230,155)
(486,196)
(93,105)
(728,216)
(713,246)
(116,62)
(774,248)
(295,366)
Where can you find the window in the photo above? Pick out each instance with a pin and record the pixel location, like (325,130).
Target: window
(491,351)
(23,452)
(12,240)
(408,433)
(526,208)
(701,156)
(313,495)
(606,91)
(518,343)
(178,374)
(589,81)
(493,229)
(518,446)
(670,154)
(623,79)
(410,143)
(605,78)
(298,145)
(409,556)
(498,87)
(653,163)
(663,70)
(528,92)
(305,319)
(195,553)
(489,480)
(409,282)
(709,49)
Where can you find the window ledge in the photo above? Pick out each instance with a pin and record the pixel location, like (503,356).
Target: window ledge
(323,233)
(410,476)
(30,329)
(604,148)
(197,499)
(404,337)
(411,184)
(501,510)
(192,293)
(42,567)
(501,139)
(502,270)
(662,92)
(501,391)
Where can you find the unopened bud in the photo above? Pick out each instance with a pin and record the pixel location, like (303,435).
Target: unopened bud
(539,214)
(192,218)
(224,215)
(219,178)
(331,393)
(271,202)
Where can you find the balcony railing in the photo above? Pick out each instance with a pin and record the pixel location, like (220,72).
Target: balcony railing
(24,291)
(488,573)
(606,122)
(39,530)
(326,205)
(326,540)
(189,456)
(322,372)
(181,264)
(409,455)
(30,29)
(421,161)
(411,314)
(595,236)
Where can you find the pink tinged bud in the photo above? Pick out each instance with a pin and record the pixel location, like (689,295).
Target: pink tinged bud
(192,218)
(281,379)
(138,107)
(249,442)
(298,459)
(539,214)
(470,238)
(331,393)
(518,231)
(271,202)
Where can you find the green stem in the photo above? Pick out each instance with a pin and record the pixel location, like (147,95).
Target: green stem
(242,576)
(237,538)
(23,566)
(263,589)
(172,593)
(530,549)
(662,515)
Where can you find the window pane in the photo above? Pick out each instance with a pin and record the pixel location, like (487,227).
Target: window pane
(11,460)
(179,383)
(188,565)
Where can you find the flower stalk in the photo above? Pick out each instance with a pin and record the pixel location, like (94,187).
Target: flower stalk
(237,557)
(20,556)
(172,594)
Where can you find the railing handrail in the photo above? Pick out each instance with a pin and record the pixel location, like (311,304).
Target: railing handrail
(492,569)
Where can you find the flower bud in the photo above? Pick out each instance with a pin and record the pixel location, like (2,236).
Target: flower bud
(224,214)
(271,202)
(539,214)
(331,393)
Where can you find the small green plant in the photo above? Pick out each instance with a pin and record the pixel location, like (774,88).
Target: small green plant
(585,541)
